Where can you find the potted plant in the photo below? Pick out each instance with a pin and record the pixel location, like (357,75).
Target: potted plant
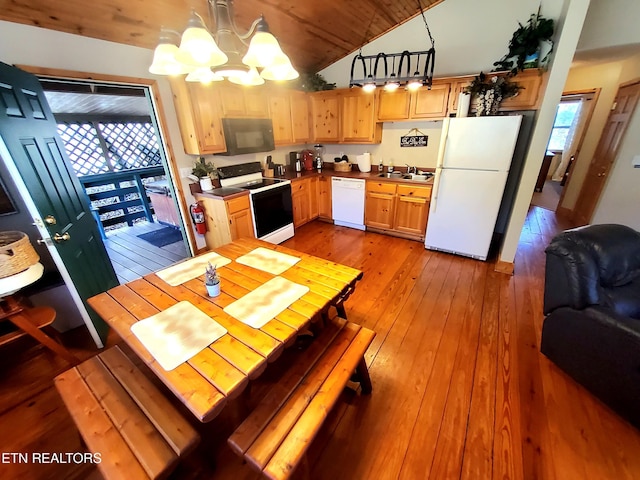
(212,280)
(203,169)
(488,92)
(524,46)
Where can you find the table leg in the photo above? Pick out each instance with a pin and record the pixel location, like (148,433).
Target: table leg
(21,320)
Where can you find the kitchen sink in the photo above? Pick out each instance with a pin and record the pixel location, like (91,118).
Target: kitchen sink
(391,175)
(407,176)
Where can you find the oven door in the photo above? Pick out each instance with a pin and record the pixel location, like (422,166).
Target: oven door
(272,209)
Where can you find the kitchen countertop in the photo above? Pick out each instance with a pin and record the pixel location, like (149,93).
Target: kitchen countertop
(222,193)
(373,175)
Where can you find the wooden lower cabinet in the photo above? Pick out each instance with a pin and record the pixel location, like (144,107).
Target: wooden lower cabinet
(226,220)
(305,197)
(324,198)
(379,205)
(397,209)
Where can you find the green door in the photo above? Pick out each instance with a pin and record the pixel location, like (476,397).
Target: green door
(29,132)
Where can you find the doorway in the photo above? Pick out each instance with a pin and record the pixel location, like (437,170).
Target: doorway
(109,133)
(569,127)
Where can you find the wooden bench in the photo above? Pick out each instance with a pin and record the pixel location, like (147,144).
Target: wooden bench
(122,416)
(276,435)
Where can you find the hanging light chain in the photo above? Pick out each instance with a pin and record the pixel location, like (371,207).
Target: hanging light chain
(424,19)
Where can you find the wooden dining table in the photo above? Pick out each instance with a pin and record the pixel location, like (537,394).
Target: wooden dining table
(222,371)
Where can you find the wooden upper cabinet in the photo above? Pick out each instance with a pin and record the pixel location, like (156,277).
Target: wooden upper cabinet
(243,102)
(529,97)
(393,105)
(198,111)
(358,122)
(423,103)
(325,111)
(300,126)
(457,85)
(280,114)
(432,103)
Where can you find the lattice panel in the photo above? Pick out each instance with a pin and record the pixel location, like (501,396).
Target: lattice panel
(83,148)
(131,145)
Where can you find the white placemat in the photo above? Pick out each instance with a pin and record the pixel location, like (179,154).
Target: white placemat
(190,269)
(261,305)
(177,334)
(268,260)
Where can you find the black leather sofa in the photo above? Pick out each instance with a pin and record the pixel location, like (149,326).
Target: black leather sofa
(592,303)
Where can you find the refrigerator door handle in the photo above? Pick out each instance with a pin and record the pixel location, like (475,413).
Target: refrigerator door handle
(443,143)
(434,191)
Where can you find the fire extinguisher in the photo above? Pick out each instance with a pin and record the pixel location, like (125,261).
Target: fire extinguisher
(197,213)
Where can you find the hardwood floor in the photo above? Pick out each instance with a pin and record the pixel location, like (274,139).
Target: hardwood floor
(133,257)
(460,388)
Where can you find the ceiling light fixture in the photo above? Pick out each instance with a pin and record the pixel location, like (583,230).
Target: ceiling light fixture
(226,53)
(365,74)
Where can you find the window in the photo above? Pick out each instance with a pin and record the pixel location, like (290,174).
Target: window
(564,118)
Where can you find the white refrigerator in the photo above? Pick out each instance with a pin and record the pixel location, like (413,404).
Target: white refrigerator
(473,164)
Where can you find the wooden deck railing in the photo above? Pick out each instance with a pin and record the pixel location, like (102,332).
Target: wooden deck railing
(123,197)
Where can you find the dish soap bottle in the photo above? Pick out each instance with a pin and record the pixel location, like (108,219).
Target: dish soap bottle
(380,166)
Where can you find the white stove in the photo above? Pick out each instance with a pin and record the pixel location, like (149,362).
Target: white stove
(271,205)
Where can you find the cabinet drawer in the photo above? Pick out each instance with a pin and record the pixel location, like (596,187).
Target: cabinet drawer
(415,191)
(381,187)
(237,204)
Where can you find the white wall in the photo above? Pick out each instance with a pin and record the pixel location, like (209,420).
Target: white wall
(469,35)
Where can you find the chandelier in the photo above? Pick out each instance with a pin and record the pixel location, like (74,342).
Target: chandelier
(412,70)
(207,57)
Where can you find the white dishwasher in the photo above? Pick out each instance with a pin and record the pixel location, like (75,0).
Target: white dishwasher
(347,202)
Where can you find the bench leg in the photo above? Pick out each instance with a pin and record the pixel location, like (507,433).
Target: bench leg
(363,377)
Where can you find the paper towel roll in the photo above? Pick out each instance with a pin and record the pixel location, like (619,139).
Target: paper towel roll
(464,100)
(364,162)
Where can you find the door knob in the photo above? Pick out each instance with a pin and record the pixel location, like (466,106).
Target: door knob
(50,220)
(61,238)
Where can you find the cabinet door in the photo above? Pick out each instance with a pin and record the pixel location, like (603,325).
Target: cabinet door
(324,197)
(300,201)
(527,98)
(206,113)
(325,110)
(378,212)
(232,101)
(313,198)
(411,215)
(393,105)
(430,103)
(301,130)
(358,121)
(280,112)
(255,102)
(457,86)
(241,224)
(240,219)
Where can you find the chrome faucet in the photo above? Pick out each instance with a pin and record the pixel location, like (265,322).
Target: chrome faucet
(411,169)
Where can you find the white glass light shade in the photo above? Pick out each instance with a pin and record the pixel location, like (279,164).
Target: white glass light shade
(203,75)
(392,85)
(369,85)
(198,48)
(263,50)
(165,62)
(250,78)
(414,85)
(280,70)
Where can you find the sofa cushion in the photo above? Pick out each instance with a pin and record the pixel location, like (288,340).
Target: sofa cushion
(624,299)
(615,249)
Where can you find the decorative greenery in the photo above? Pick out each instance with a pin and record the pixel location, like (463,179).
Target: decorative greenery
(314,82)
(490,91)
(202,168)
(211,275)
(526,41)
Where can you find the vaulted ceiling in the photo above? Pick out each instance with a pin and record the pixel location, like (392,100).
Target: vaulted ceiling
(314,33)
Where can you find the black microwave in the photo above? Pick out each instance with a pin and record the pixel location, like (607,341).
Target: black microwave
(247,135)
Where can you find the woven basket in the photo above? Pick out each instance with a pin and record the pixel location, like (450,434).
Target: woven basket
(342,167)
(16,253)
